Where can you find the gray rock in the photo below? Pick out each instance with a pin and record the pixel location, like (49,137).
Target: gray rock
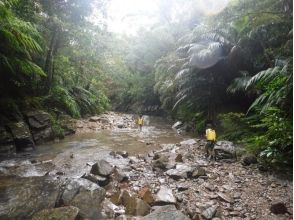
(100,180)
(177,124)
(21,135)
(102,167)
(225,150)
(209,212)
(165,196)
(225,197)
(120,176)
(162,162)
(64,213)
(197,172)
(85,195)
(124,154)
(166,212)
(40,125)
(181,171)
(188,142)
(22,197)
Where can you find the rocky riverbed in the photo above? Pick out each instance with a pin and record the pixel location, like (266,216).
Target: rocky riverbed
(164,181)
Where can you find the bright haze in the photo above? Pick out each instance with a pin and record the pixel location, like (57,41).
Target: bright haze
(128,16)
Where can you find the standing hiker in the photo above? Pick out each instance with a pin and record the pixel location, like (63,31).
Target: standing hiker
(210,137)
(140,122)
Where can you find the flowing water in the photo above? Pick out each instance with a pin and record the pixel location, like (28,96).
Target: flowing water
(74,155)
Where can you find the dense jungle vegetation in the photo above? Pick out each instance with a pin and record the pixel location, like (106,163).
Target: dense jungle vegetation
(234,67)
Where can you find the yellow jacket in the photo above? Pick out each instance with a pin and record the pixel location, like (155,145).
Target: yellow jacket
(210,134)
(140,121)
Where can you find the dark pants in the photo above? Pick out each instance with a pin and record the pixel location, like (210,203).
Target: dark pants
(209,149)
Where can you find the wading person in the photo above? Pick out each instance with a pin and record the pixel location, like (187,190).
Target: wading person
(140,122)
(210,137)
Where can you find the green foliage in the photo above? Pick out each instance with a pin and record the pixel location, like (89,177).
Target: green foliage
(233,126)
(62,99)
(274,138)
(19,42)
(56,125)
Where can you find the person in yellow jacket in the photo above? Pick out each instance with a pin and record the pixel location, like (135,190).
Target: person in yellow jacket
(210,137)
(140,122)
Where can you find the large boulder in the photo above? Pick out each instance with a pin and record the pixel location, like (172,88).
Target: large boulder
(6,142)
(85,195)
(62,213)
(102,167)
(225,150)
(21,135)
(22,197)
(166,212)
(40,125)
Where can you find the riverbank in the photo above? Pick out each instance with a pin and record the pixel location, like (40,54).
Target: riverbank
(169,181)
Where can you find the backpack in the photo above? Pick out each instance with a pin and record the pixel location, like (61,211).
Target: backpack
(211,135)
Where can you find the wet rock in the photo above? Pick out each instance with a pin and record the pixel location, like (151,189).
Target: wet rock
(146,195)
(21,136)
(181,171)
(100,180)
(188,142)
(40,125)
(62,213)
(165,196)
(248,160)
(22,197)
(279,208)
(85,195)
(166,212)
(102,167)
(6,142)
(209,212)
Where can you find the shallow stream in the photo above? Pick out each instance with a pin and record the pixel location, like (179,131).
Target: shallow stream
(74,155)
